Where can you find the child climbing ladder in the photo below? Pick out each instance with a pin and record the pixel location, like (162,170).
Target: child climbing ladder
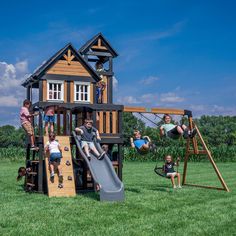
(67,169)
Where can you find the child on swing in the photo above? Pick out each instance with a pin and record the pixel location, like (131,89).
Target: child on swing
(143,144)
(168,168)
(175,131)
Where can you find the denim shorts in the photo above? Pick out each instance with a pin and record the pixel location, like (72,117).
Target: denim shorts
(50,119)
(55,157)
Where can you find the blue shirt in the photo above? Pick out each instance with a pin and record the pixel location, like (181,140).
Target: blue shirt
(139,143)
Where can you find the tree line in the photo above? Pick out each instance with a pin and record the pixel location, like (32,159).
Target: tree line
(216,131)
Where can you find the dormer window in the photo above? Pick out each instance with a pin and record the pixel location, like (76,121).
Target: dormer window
(82,92)
(55,90)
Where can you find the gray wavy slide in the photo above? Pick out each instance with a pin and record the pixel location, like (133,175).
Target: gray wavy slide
(103,173)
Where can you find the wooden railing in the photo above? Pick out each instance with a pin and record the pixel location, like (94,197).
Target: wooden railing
(107,122)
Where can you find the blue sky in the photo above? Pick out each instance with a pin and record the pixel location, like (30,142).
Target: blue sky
(179,54)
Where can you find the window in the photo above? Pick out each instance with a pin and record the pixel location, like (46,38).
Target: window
(82,92)
(55,90)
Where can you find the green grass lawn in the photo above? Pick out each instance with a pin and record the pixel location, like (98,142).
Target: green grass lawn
(151,206)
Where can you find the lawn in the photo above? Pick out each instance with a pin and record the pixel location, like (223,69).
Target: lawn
(151,206)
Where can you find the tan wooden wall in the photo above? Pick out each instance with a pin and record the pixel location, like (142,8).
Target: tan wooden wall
(62,67)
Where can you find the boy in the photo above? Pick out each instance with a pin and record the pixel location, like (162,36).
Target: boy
(168,168)
(87,132)
(55,151)
(143,144)
(175,131)
(25,119)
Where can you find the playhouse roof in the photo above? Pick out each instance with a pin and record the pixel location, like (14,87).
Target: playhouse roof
(39,72)
(87,46)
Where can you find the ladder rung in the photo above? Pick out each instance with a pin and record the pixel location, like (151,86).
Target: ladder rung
(32,173)
(35,161)
(30,184)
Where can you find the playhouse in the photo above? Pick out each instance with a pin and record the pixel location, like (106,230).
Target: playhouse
(80,84)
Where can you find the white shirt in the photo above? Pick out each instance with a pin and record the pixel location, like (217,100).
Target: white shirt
(53,146)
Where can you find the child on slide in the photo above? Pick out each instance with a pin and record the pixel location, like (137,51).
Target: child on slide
(141,143)
(87,132)
(168,168)
(55,151)
(175,131)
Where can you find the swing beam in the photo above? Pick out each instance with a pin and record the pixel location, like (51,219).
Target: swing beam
(189,151)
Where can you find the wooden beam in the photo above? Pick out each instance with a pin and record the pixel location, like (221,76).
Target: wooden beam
(101,129)
(108,122)
(170,111)
(212,161)
(203,186)
(114,122)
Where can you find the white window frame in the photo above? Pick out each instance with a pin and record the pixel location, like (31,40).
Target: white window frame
(62,89)
(75,92)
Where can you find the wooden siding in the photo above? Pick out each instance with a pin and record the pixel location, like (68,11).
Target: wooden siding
(62,67)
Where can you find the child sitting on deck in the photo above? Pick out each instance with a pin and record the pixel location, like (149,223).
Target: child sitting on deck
(87,132)
(54,149)
(175,131)
(143,144)
(168,168)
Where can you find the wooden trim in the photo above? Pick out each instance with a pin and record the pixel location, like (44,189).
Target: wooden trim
(101,128)
(108,122)
(65,91)
(72,92)
(114,122)
(44,91)
(91,93)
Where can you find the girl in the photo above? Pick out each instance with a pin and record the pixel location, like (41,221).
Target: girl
(168,168)
(55,151)
(175,131)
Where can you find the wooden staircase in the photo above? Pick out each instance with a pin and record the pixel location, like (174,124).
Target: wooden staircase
(68,189)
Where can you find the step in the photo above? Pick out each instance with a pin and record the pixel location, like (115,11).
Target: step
(32,173)
(30,184)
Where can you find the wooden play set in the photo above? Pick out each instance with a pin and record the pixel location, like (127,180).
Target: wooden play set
(80,84)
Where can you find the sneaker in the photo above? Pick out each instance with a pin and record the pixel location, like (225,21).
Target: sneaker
(179,186)
(101,156)
(60,179)
(89,158)
(52,178)
(60,185)
(33,148)
(186,133)
(193,133)
(174,187)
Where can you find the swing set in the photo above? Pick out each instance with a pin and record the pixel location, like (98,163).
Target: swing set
(192,144)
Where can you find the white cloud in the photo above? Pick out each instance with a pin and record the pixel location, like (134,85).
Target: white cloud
(149,80)
(8,101)
(171,98)
(173,30)
(11,76)
(128,100)
(148,98)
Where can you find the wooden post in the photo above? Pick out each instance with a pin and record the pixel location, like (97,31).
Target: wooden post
(58,122)
(194,140)
(212,161)
(186,162)
(120,160)
(64,122)
(41,153)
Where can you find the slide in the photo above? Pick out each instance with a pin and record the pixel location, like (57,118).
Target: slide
(68,189)
(111,188)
